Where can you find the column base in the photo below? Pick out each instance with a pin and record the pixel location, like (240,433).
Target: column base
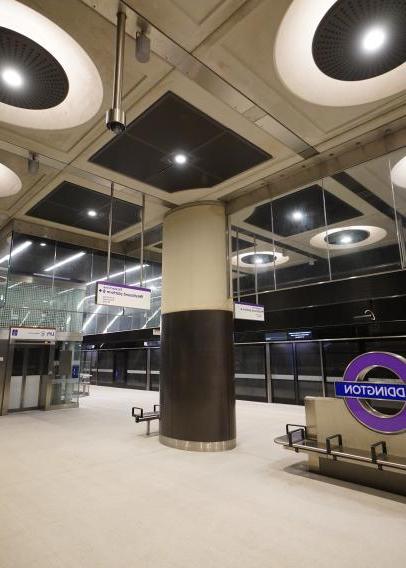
(193,446)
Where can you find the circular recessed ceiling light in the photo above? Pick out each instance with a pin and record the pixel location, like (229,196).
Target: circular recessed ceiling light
(12,78)
(374,39)
(180,159)
(42,244)
(398,173)
(92,213)
(350,52)
(260,259)
(343,238)
(61,86)
(10,183)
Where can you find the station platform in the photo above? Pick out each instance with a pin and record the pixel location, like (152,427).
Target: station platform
(87,488)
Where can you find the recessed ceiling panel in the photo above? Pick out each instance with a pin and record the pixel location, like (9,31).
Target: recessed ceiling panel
(147,149)
(360,40)
(30,77)
(79,207)
(301,211)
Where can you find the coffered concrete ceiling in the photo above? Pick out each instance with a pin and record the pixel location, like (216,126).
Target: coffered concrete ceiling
(218,56)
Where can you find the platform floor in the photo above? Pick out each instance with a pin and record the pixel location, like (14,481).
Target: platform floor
(85,488)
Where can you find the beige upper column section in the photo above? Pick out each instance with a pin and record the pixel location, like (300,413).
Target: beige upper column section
(194,259)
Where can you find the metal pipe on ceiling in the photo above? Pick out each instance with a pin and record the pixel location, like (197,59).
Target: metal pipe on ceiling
(115,117)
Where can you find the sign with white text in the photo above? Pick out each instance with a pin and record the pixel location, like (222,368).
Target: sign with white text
(33,333)
(122,296)
(245,311)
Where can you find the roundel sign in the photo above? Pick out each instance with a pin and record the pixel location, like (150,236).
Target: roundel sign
(357,392)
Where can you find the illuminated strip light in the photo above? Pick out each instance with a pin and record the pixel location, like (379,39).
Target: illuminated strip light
(66,261)
(68,290)
(146,281)
(14,285)
(133,269)
(84,300)
(25,317)
(152,317)
(91,317)
(112,321)
(15,251)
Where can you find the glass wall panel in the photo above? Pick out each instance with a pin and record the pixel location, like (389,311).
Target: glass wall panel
(297,217)
(362,233)
(250,378)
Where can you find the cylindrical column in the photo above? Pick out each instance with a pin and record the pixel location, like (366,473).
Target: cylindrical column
(197,364)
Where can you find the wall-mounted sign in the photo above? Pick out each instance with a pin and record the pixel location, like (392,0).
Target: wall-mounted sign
(33,333)
(245,311)
(300,334)
(356,392)
(122,296)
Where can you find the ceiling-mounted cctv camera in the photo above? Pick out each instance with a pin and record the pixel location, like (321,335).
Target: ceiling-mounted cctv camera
(33,163)
(115,120)
(142,47)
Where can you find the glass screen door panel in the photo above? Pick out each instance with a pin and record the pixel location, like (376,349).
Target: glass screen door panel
(337,356)
(137,368)
(120,368)
(250,378)
(283,373)
(105,367)
(309,372)
(155,366)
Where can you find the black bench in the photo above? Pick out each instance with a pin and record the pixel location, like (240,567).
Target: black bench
(298,439)
(141,416)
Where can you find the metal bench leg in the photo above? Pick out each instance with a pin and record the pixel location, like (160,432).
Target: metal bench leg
(148,427)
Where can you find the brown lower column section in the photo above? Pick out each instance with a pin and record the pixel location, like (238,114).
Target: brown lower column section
(197,380)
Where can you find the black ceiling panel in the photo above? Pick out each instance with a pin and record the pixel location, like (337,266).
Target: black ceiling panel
(182,178)
(68,204)
(214,156)
(309,202)
(145,151)
(133,158)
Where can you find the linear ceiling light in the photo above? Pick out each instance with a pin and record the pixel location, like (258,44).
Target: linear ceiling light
(133,269)
(66,261)
(97,310)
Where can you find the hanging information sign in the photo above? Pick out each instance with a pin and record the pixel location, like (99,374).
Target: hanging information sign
(245,311)
(123,296)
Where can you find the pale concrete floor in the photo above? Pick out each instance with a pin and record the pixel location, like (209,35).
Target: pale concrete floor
(86,488)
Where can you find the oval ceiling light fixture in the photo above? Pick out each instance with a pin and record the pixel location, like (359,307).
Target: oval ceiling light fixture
(343,238)
(398,173)
(47,80)
(10,183)
(342,53)
(260,260)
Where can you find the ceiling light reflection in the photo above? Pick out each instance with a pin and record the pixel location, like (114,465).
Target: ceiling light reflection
(16,250)
(65,261)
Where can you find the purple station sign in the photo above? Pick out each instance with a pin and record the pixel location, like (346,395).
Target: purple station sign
(355,396)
